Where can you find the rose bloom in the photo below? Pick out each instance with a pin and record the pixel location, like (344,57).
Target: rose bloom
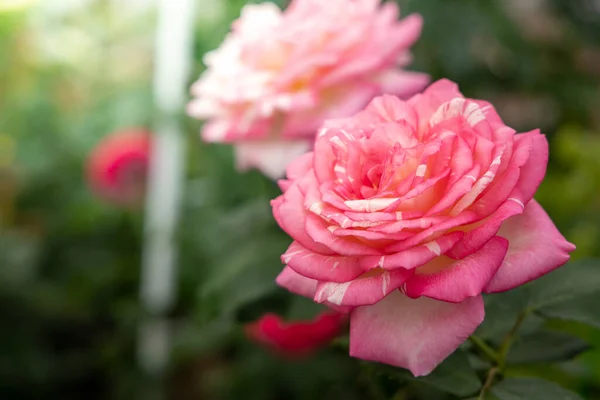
(297,338)
(279,75)
(117,167)
(405,213)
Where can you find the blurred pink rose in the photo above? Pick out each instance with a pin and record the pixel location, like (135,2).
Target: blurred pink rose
(117,167)
(434,197)
(297,338)
(279,75)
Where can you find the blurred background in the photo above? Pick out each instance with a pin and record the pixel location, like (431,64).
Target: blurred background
(72,72)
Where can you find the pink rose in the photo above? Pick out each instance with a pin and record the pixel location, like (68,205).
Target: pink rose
(117,167)
(405,213)
(279,75)
(298,338)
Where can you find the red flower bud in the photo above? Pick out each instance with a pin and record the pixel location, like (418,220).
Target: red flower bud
(298,338)
(117,167)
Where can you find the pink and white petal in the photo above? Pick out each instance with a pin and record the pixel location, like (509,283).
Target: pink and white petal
(365,290)
(455,191)
(417,334)
(406,33)
(532,173)
(321,233)
(289,212)
(303,286)
(431,99)
(497,193)
(216,131)
(321,267)
(491,115)
(458,107)
(296,283)
(536,247)
(486,152)
(270,157)
(325,158)
(402,83)
(388,108)
(300,166)
(434,232)
(414,257)
(342,101)
(476,236)
(372,237)
(284,184)
(454,281)
(522,174)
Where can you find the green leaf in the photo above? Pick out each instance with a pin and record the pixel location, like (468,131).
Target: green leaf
(582,309)
(570,293)
(455,375)
(574,280)
(501,311)
(531,389)
(546,346)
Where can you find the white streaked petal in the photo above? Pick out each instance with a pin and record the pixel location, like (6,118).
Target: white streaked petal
(421,169)
(338,142)
(317,208)
(339,168)
(519,202)
(370,205)
(288,256)
(456,107)
(385,281)
(333,292)
(434,247)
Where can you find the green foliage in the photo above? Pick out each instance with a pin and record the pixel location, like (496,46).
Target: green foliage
(531,389)
(546,346)
(455,376)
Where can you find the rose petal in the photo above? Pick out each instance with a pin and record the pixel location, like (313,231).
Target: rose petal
(405,34)
(476,236)
(536,248)
(402,83)
(434,232)
(532,173)
(367,289)
(270,157)
(300,166)
(296,283)
(390,109)
(460,279)
(321,267)
(289,212)
(296,338)
(434,96)
(318,230)
(414,334)
(303,286)
(413,257)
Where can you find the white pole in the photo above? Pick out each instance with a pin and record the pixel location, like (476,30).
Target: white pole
(172,60)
